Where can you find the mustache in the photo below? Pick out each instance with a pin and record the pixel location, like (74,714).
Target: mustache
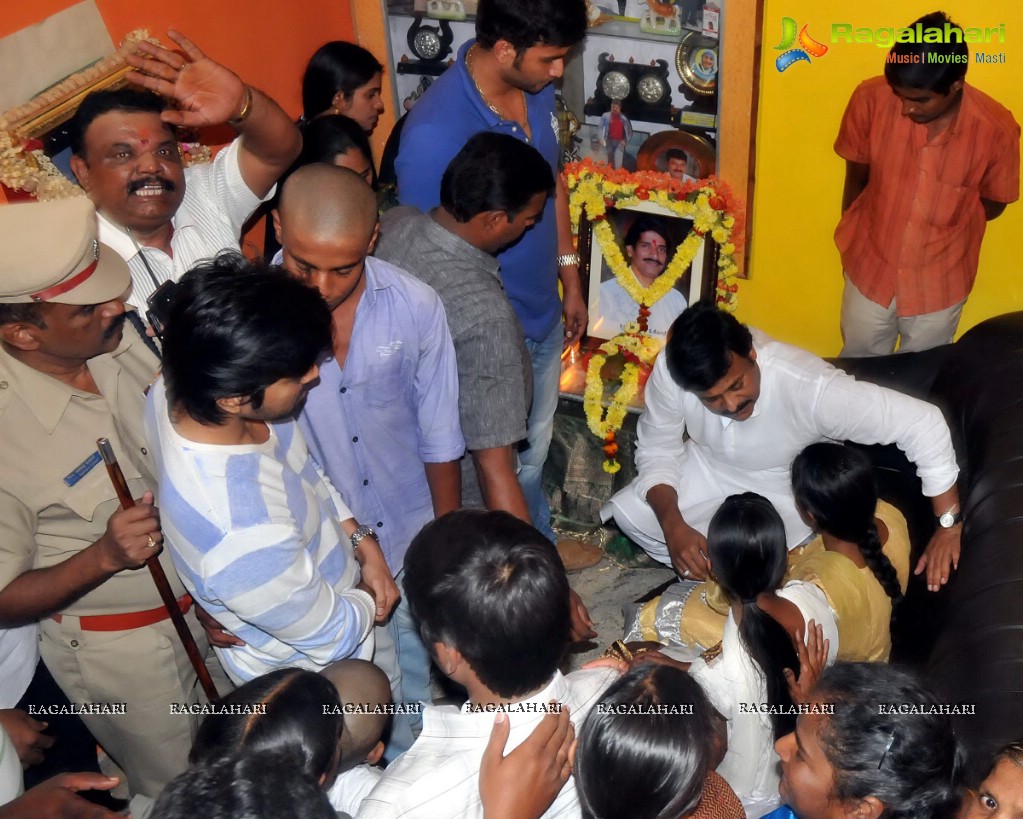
(115,326)
(739,410)
(136,184)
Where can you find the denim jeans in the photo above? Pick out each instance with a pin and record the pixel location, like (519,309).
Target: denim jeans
(545,356)
(403,649)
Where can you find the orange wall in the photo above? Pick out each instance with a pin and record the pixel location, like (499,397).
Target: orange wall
(267,42)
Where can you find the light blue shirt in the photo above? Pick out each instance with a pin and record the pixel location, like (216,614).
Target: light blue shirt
(394,407)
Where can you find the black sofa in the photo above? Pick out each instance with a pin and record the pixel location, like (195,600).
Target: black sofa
(968,638)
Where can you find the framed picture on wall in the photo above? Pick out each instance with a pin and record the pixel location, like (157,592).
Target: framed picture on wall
(647,241)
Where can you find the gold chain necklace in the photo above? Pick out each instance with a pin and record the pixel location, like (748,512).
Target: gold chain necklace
(525,111)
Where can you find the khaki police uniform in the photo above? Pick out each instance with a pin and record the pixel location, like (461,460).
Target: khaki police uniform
(55,500)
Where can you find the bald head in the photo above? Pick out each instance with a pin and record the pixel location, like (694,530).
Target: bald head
(359,682)
(325,202)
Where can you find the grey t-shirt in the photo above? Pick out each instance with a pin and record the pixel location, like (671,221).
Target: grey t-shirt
(495,380)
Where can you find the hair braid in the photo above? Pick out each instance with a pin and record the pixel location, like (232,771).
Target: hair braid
(879,564)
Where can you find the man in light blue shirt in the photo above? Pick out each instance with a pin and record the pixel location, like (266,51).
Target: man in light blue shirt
(383,423)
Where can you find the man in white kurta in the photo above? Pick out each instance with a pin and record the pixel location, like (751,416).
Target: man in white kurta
(802,400)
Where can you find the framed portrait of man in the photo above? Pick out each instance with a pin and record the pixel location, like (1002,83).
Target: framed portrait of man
(647,239)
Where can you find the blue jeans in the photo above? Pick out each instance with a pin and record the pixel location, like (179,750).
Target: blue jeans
(545,356)
(413,661)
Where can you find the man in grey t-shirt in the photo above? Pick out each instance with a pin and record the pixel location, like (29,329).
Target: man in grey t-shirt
(492,192)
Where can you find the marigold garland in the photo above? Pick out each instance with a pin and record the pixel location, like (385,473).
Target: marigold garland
(594,188)
(639,350)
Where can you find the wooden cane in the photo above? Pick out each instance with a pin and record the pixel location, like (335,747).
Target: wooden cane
(159,576)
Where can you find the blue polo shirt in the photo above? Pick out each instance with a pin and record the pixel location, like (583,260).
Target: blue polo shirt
(437,128)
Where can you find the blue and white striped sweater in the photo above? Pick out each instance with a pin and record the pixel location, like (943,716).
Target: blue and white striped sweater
(254,532)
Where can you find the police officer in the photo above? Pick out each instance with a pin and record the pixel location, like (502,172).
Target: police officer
(72,371)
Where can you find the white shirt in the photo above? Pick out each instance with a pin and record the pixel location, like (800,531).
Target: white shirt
(352,786)
(19,656)
(438,777)
(617,308)
(217,202)
(751,764)
(11,783)
(803,400)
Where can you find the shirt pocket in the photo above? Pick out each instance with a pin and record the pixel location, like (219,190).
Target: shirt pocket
(386,381)
(948,204)
(96,489)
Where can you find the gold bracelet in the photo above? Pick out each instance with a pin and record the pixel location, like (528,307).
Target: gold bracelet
(234,122)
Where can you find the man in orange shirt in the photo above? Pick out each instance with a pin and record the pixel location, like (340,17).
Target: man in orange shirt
(929,160)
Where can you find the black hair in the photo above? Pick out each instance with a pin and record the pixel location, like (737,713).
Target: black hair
(528,23)
(325,137)
(746,540)
(27,313)
(644,223)
(492,587)
(837,486)
(1010,752)
(920,69)
(647,765)
(911,762)
(234,328)
(253,786)
(676,153)
(294,711)
(701,343)
(128,100)
(336,66)
(494,172)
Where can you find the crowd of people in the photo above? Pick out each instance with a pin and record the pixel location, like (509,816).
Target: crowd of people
(334,456)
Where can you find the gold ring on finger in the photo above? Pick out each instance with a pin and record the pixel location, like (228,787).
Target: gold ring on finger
(150,542)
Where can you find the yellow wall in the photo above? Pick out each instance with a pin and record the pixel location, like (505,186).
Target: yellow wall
(795,287)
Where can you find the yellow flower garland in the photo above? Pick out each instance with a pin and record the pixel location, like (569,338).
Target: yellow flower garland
(605,424)
(593,190)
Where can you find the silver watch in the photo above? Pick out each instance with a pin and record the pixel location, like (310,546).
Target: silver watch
(950,519)
(362,532)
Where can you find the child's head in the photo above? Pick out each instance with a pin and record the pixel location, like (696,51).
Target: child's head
(491,597)
(836,493)
(868,758)
(362,686)
(633,761)
(260,785)
(1000,795)
(290,711)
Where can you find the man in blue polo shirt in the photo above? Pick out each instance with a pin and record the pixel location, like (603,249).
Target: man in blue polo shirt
(502,82)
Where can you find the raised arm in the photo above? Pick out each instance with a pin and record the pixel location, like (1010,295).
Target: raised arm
(208,93)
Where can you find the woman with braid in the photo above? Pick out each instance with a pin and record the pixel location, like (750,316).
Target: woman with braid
(860,557)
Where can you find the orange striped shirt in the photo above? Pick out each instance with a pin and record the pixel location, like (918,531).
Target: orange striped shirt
(914,233)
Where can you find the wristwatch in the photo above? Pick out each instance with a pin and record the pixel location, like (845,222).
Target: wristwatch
(360,533)
(568,259)
(950,518)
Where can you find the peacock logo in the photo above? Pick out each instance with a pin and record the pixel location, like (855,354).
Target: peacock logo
(808,47)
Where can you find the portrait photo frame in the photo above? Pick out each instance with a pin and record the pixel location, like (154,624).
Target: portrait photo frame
(604,301)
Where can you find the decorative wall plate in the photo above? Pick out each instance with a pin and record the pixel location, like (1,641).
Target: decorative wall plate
(696,61)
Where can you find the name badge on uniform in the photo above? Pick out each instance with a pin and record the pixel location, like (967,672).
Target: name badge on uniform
(83,469)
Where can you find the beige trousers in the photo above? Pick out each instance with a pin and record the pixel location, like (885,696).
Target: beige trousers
(868,329)
(146,670)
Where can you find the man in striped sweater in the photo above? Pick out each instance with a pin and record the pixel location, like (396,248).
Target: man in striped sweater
(259,536)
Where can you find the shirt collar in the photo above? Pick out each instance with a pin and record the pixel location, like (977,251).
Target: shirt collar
(456,244)
(472,93)
(445,720)
(117,238)
(47,397)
